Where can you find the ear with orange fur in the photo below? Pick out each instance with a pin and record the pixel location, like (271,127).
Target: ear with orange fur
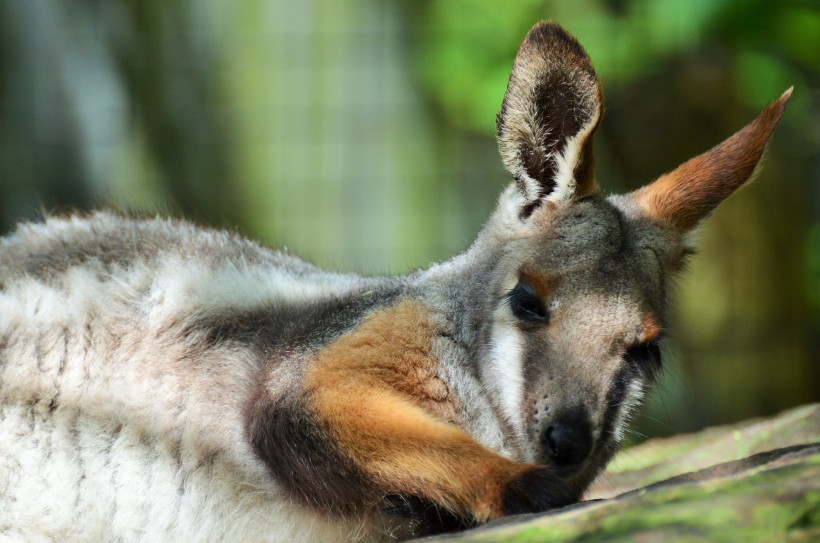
(686,195)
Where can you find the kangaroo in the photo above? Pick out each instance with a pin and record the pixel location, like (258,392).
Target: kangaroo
(161,381)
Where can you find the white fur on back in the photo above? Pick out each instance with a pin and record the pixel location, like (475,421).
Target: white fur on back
(68,476)
(185,287)
(112,425)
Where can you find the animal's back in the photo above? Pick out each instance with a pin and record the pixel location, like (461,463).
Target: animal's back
(121,390)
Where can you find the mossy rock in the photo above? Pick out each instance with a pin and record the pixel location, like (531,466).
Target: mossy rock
(754,481)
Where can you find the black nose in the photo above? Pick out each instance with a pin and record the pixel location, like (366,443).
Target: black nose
(568,440)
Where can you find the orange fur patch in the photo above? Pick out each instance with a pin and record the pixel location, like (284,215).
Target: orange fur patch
(651,329)
(686,195)
(542,284)
(393,349)
(378,391)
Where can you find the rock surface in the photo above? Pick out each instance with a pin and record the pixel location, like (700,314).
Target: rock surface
(754,481)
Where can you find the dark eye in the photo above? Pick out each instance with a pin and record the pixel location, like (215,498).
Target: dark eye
(527,305)
(645,356)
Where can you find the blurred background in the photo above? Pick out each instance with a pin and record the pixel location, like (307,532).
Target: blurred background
(360,135)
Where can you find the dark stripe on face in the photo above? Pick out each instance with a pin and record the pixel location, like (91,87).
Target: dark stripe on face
(645,359)
(615,397)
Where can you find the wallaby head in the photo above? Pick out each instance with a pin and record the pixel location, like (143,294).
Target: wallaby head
(570,304)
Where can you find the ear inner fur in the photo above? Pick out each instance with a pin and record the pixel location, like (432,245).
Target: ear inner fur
(364,375)
(686,195)
(549,113)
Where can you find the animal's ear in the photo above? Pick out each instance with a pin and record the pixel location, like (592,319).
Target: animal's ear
(551,108)
(686,195)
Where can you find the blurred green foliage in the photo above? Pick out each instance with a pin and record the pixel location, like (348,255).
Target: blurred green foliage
(360,134)
(774,43)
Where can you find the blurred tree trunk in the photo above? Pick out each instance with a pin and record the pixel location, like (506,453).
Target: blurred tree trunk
(168,69)
(158,71)
(41,161)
